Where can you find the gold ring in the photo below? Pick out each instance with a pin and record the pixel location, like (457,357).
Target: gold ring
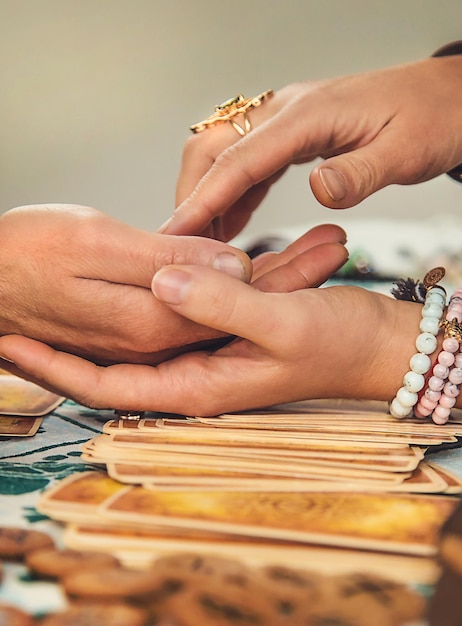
(226,111)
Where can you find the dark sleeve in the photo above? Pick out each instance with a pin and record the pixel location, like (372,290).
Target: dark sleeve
(451,49)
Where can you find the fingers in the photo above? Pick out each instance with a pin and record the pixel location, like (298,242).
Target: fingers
(261,260)
(92,245)
(177,386)
(185,385)
(213,301)
(13,369)
(82,282)
(132,256)
(198,156)
(76,378)
(202,149)
(323,233)
(302,131)
(308,262)
(237,169)
(201,295)
(238,215)
(374,128)
(308,269)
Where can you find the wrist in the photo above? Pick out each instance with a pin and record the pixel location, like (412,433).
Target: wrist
(373,346)
(394,345)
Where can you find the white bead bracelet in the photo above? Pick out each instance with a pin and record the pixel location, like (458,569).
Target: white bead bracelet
(426,343)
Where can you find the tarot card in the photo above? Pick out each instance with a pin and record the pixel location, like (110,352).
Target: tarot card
(191,479)
(152,476)
(14,426)
(423,480)
(265,466)
(174,431)
(143,547)
(264,437)
(401,523)
(276,432)
(78,496)
(339,422)
(242,442)
(329,465)
(453,482)
(21,397)
(344,433)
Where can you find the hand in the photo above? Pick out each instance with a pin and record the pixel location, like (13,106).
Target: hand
(80,280)
(335,342)
(401,125)
(308,262)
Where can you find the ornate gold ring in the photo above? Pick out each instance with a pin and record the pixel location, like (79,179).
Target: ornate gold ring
(228,110)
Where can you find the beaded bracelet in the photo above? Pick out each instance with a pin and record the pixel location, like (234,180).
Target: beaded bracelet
(444,385)
(436,383)
(453,343)
(426,343)
(450,392)
(430,400)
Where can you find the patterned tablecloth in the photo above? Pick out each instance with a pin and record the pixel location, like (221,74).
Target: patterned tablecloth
(30,465)
(27,467)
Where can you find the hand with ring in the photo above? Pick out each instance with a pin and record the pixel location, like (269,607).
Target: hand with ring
(400,125)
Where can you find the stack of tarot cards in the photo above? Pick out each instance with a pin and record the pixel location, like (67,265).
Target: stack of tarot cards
(315,447)
(334,486)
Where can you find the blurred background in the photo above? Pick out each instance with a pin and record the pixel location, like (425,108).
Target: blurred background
(97,95)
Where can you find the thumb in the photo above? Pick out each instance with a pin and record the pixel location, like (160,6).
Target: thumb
(344,181)
(133,256)
(221,302)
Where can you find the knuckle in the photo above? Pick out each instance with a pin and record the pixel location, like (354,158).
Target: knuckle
(192,145)
(230,161)
(366,174)
(204,145)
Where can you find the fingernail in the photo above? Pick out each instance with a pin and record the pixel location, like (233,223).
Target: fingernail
(4,358)
(170,285)
(334,183)
(229,263)
(165,225)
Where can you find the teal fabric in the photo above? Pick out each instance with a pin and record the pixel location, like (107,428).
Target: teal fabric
(27,467)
